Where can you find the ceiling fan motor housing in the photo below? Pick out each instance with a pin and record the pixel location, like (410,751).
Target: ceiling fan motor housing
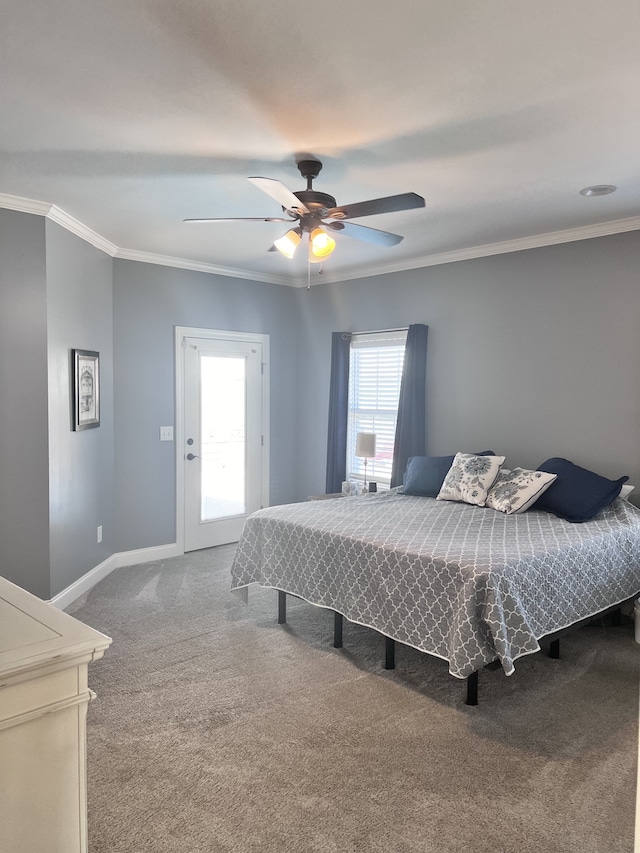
(318,203)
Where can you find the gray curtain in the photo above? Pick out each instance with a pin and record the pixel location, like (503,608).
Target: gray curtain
(338,412)
(411,430)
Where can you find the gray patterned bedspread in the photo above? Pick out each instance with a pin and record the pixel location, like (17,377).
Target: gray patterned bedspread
(464,583)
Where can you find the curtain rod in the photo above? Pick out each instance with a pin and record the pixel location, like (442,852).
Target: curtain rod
(381,331)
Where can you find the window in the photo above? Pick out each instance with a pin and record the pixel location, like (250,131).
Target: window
(375,371)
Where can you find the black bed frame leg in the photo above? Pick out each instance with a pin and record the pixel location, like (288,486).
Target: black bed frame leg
(389,653)
(554,648)
(337,630)
(472,689)
(282,607)
(616,618)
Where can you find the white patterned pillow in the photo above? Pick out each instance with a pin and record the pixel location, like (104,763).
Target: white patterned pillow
(515,491)
(470,478)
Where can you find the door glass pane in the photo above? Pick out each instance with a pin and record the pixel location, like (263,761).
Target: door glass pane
(223,433)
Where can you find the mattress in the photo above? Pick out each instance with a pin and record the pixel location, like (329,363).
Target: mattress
(465,583)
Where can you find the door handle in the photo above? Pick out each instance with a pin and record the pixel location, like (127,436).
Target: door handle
(191,456)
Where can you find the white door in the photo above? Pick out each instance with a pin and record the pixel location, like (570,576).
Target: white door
(222,436)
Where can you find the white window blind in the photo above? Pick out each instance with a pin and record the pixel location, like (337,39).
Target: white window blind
(375,371)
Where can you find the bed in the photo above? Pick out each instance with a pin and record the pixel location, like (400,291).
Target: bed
(465,583)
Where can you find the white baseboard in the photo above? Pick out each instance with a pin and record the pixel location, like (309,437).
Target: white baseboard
(115,561)
(147,555)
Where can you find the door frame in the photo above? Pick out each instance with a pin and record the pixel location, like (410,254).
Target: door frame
(181,332)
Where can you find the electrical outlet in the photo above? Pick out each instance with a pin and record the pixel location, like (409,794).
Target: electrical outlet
(99,536)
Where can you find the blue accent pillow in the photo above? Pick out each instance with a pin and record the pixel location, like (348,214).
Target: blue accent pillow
(578,494)
(425,474)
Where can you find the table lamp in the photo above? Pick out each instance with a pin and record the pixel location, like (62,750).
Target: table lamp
(365,449)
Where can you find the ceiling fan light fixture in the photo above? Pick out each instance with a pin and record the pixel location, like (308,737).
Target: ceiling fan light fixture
(321,244)
(288,244)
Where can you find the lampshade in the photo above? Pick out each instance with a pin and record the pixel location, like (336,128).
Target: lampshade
(366,444)
(288,244)
(321,243)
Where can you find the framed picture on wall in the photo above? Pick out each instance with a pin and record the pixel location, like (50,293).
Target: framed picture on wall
(86,388)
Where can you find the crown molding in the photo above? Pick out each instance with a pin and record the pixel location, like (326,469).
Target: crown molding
(76,227)
(537,241)
(55,214)
(201,266)
(24,205)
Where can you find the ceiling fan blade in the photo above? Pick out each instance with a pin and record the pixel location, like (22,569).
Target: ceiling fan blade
(242,219)
(363,232)
(404,201)
(280,193)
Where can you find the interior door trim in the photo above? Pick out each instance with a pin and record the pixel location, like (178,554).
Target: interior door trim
(180,333)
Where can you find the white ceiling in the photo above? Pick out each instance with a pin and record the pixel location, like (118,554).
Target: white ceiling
(130,115)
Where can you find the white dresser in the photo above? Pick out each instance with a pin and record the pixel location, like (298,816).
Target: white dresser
(44,657)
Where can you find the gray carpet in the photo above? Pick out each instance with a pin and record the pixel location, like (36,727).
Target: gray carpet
(216,729)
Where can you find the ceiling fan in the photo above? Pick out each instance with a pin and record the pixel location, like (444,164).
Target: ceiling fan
(317,215)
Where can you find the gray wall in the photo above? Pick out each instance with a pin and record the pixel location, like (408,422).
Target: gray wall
(24,466)
(149,301)
(81,494)
(532,354)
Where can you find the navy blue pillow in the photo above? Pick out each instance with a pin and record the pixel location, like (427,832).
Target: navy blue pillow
(425,474)
(578,494)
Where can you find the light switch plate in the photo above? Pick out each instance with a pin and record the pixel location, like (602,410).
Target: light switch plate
(166,433)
